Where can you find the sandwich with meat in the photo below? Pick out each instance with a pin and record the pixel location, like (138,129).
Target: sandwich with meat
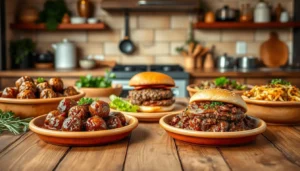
(152,92)
(215,110)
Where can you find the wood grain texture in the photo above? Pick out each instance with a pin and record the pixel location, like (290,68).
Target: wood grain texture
(259,155)
(297,127)
(109,157)
(30,153)
(287,140)
(195,157)
(7,139)
(151,149)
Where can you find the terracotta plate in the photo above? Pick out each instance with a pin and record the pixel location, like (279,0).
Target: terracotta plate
(154,117)
(81,138)
(282,113)
(212,138)
(25,108)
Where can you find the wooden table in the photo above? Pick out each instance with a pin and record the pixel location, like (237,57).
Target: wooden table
(150,148)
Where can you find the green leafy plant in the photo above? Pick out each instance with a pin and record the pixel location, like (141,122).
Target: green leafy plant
(21,49)
(121,104)
(280,81)
(15,125)
(97,82)
(53,13)
(85,101)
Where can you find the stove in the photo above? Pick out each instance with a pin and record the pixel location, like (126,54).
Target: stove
(125,72)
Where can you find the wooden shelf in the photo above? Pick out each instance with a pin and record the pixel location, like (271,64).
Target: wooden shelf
(97,26)
(238,25)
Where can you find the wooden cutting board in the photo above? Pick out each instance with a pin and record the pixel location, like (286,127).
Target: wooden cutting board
(274,52)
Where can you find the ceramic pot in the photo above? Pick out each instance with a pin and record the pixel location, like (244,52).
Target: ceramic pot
(65,55)
(84,8)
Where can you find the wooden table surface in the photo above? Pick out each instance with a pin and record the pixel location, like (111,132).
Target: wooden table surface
(150,148)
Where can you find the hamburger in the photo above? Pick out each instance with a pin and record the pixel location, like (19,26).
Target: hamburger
(215,110)
(152,92)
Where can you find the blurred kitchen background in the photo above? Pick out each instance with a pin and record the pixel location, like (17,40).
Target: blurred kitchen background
(249,40)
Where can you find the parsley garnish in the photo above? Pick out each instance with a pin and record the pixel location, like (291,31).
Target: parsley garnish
(280,81)
(40,80)
(213,105)
(85,101)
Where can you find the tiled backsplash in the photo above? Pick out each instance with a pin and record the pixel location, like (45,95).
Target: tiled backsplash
(156,35)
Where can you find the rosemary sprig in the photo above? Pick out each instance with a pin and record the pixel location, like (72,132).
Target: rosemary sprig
(15,125)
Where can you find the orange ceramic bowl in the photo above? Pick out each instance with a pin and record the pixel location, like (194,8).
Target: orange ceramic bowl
(191,89)
(212,138)
(116,89)
(283,113)
(81,138)
(26,108)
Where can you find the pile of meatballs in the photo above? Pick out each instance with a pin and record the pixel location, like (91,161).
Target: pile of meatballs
(27,88)
(70,116)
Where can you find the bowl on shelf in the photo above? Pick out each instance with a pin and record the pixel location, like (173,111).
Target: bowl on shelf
(78,20)
(274,112)
(26,108)
(87,63)
(92,20)
(81,138)
(116,89)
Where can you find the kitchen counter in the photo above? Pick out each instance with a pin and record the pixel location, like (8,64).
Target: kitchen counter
(150,148)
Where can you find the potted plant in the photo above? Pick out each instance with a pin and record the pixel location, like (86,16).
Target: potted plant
(99,86)
(22,53)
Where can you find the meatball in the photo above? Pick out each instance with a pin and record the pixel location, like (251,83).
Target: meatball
(10,92)
(95,123)
(54,120)
(27,85)
(65,105)
(26,94)
(99,108)
(70,91)
(57,84)
(72,123)
(79,111)
(42,86)
(47,94)
(23,79)
(113,122)
(120,116)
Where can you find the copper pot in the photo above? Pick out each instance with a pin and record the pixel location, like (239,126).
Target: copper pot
(84,8)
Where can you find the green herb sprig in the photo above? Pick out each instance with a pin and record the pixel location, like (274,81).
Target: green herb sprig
(221,81)
(13,124)
(213,105)
(40,80)
(280,81)
(85,101)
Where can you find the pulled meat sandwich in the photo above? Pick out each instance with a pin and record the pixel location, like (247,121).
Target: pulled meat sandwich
(215,110)
(152,92)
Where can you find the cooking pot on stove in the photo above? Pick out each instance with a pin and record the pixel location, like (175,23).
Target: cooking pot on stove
(225,62)
(247,62)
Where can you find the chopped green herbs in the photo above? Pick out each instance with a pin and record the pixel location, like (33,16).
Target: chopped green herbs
(13,124)
(121,104)
(40,80)
(213,105)
(280,81)
(85,101)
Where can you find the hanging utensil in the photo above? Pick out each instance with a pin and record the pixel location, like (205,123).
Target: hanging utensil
(126,46)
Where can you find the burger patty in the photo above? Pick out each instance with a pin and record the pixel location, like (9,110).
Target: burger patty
(138,97)
(211,125)
(224,111)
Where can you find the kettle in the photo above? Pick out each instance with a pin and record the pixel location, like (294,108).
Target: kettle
(65,55)
(225,62)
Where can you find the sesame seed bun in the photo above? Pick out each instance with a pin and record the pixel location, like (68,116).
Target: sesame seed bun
(151,78)
(219,95)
